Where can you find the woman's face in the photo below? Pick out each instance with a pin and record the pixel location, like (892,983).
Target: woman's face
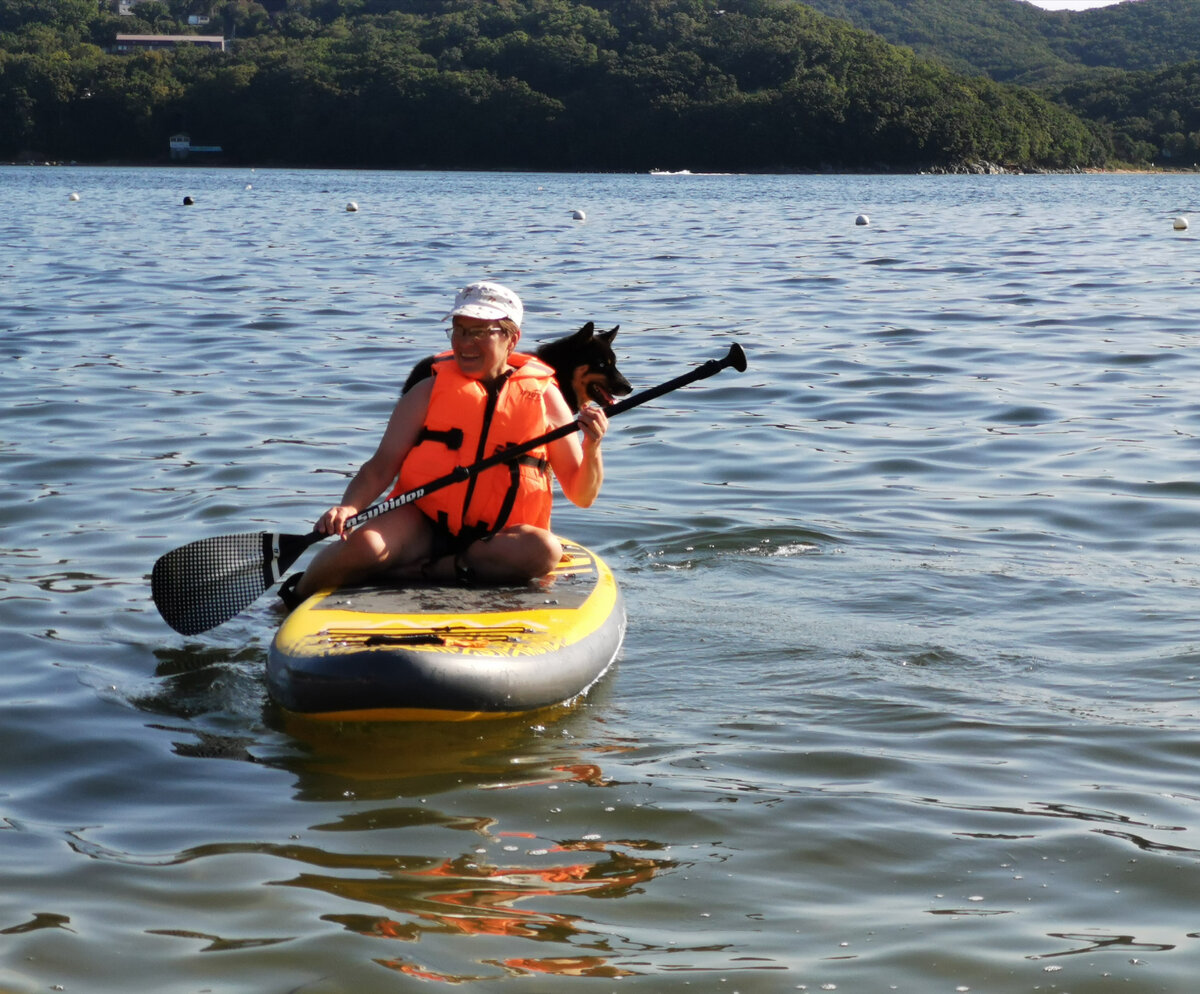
(481,347)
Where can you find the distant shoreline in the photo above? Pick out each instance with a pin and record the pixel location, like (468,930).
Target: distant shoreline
(963,169)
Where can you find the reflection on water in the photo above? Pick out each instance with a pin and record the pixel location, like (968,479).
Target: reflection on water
(471,895)
(1092,943)
(41,920)
(406,759)
(504,883)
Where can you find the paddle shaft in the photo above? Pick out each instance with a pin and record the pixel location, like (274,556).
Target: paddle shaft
(735,357)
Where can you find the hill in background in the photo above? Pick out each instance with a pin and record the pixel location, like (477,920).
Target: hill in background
(550,84)
(1132,68)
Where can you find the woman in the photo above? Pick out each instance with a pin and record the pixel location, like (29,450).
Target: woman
(494,527)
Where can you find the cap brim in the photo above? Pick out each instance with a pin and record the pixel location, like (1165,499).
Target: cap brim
(483,311)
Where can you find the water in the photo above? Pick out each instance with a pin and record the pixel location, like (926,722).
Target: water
(908,699)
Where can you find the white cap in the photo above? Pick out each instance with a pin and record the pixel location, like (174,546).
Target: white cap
(489,301)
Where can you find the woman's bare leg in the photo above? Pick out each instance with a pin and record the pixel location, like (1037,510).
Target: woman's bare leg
(512,555)
(395,539)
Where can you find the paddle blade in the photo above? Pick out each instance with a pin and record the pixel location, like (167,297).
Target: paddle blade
(205,583)
(736,357)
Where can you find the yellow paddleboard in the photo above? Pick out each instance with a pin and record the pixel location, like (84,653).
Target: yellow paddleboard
(430,651)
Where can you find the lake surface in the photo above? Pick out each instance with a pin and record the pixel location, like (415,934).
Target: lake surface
(908,699)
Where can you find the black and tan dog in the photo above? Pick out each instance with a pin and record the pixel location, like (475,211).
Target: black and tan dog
(584,365)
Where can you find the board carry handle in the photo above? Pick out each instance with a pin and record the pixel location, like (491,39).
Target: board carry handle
(205,583)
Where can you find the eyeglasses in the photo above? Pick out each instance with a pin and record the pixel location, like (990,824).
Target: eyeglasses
(474,334)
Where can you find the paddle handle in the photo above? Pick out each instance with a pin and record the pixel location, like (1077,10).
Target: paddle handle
(735,357)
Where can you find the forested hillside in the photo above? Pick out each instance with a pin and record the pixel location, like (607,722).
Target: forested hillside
(1155,116)
(614,84)
(1130,67)
(1005,39)
(1015,41)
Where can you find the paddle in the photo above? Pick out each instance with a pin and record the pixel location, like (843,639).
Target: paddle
(204,583)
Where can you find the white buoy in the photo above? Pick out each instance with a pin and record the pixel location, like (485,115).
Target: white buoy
(862,220)
(73,196)
(579,215)
(1181,224)
(352,207)
(249,186)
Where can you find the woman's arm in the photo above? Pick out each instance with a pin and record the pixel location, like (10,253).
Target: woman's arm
(578,466)
(377,473)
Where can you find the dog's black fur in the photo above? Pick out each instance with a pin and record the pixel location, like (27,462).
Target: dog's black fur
(584,365)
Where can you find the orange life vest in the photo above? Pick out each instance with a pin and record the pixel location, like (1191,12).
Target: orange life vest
(467,422)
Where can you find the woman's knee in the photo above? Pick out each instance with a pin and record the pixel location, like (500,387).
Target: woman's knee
(550,547)
(528,550)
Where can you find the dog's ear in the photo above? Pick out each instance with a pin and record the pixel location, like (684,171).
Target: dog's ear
(585,333)
(607,336)
(421,370)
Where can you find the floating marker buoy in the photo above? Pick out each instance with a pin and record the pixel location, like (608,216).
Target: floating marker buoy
(1181,224)
(579,215)
(73,196)
(352,207)
(249,187)
(188,201)
(862,220)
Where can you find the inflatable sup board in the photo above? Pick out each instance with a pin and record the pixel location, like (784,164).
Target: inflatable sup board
(441,652)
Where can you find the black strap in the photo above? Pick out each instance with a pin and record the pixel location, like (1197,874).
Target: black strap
(469,535)
(510,496)
(489,409)
(514,485)
(541,465)
(452,438)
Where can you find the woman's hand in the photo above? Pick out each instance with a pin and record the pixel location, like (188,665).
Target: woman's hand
(579,467)
(333,521)
(594,423)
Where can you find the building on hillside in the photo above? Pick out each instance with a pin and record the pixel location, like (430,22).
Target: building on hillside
(182,147)
(127,8)
(140,43)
